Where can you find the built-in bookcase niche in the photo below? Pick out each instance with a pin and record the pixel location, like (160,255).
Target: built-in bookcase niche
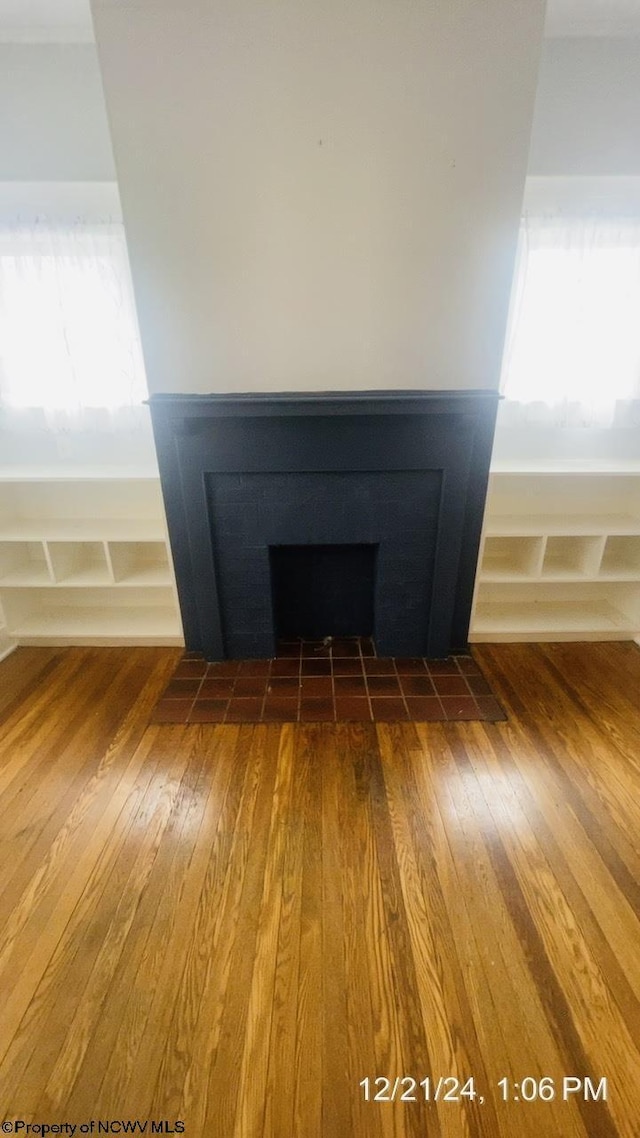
(560,556)
(85,560)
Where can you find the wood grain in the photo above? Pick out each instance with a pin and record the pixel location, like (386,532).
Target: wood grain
(234,926)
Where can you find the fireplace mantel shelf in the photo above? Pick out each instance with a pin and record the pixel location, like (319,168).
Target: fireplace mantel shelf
(279,403)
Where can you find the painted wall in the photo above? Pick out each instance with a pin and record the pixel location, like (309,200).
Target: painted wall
(587,114)
(53,125)
(320,195)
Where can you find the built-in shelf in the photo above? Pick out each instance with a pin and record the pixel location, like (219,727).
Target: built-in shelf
(571,558)
(508,525)
(548,620)
(139,563)
(506,558)
(85,560)
(91,614)
(560,555)
(24,563)
(621,558)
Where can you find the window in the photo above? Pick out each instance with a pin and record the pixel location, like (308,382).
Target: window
(572,354)
(69,342)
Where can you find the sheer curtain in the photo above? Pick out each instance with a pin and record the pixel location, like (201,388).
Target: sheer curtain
(572,353)
(70,356)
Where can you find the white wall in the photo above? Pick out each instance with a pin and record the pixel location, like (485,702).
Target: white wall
(53,125)
(585,155)
(320,194)
(587,114)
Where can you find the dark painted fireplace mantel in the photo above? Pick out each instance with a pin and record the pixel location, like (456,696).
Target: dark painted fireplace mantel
(405,471)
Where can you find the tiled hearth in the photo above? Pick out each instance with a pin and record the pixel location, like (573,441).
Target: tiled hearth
(310,681)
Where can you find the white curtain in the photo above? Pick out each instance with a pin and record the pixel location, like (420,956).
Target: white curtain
(572,353)
(70,356)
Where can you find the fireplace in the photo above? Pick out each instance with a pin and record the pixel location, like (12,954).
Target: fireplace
(325,513)
(321,591)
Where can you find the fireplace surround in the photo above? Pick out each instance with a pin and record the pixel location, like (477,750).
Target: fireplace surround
(404,472)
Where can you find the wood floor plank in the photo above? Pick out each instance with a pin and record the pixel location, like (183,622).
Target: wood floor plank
(174,885)
(219,960)
(237,926)
(308,1089)
(29,668)
(504,1000)
(147,1039)
(599,777)
(280,1083)
(341,1064)
(566,937)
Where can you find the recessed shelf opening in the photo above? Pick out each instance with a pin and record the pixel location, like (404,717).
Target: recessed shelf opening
(79,562)
(572,556)
(23,562)
(511,556)
(621,555)
(140,562)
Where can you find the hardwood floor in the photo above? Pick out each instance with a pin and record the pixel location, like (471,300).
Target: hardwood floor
(234,927)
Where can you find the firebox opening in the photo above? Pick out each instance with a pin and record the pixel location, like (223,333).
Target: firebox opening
(323,590)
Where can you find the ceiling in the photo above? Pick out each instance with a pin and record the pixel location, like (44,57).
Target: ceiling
(33,21)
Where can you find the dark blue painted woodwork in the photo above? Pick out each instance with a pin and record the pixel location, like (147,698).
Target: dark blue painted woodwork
(406,471)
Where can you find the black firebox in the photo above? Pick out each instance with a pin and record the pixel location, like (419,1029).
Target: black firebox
(322,591)
(345,513)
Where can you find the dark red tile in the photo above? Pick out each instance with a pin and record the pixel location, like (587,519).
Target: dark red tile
(414,666)
(221,668)
(285,667)
(316,667)
(426,707)
(377,666)
(417,685)
(177,688)
(246,686)
(316,710)
(317,686)
(467,665)
(171,711)
(281,685)
(383,685)
(208,711)
(190,669)
(212,688)
(349,685)
(244,710)
(490,709)
(443,667)
(460,707)
(478,685)
(352,708)
(280,709)
(315,648)
(389,709)
(345,648)
(254,668)
(450,685)
(347,666)
(367,647)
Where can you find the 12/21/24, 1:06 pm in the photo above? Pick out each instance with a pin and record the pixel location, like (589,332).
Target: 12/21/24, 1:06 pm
(450,1088)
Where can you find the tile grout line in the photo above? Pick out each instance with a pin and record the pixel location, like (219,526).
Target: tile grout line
(402,679)
(366,683)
